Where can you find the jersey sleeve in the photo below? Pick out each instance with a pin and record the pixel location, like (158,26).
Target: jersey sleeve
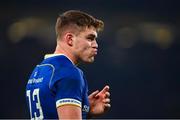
(68,88)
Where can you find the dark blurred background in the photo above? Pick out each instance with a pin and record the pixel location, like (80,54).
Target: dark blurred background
(138,53)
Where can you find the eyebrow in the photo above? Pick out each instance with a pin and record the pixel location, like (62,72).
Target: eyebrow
(92,35)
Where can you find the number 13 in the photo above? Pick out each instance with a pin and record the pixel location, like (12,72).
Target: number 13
(38,104)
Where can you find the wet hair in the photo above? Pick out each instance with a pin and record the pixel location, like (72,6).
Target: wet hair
(78,19)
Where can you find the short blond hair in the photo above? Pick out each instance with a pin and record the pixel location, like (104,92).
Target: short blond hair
(79,19)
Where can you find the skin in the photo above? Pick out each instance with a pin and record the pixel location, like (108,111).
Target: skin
(82,47)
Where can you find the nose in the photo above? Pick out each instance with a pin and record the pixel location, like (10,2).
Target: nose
(95,44)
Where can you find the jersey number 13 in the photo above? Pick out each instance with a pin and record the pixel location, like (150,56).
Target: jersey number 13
(34,104)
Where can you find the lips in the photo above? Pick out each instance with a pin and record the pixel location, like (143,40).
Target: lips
(95,52)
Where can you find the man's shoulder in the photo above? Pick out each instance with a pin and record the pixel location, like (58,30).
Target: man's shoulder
(63,67)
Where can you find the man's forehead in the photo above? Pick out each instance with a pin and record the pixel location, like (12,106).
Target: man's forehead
(90,31)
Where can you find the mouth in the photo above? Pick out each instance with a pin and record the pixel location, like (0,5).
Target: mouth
(95,52)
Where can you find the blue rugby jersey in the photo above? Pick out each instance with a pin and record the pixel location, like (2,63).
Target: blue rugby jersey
(53,83)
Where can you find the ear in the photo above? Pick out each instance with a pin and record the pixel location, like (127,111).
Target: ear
(69,38)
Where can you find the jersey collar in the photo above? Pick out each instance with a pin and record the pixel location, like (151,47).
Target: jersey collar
(53,55)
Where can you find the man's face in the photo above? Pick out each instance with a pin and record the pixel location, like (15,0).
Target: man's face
(85,45)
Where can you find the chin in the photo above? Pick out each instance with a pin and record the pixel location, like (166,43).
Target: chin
(91,60)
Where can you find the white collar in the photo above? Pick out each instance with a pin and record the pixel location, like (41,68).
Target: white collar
(53,55)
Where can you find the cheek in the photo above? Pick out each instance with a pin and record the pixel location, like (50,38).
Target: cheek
(85,46)
(87,49)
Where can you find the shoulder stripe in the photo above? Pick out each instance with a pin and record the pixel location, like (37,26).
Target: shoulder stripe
(53,70)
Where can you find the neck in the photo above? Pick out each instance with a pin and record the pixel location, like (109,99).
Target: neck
(60,49)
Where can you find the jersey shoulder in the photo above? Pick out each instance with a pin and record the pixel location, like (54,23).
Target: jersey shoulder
(63,68)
